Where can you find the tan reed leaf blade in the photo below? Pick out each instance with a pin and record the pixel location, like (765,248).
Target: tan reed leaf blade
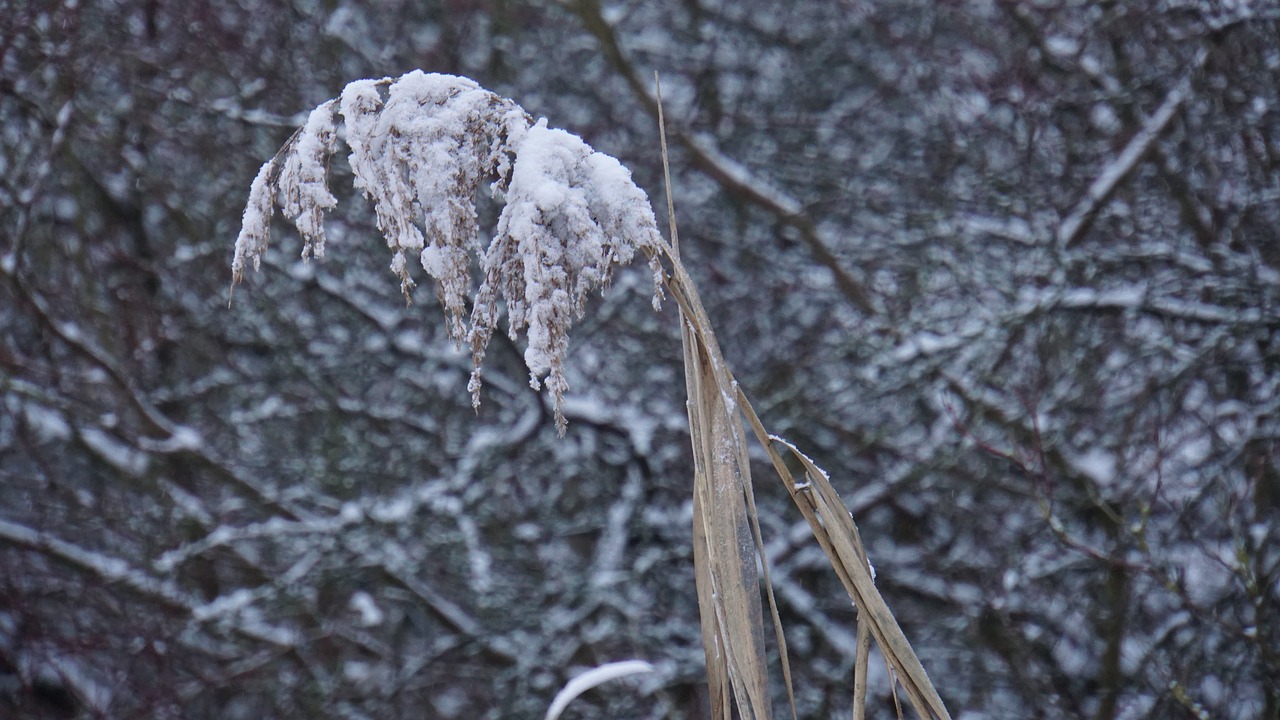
(731,559)
(728,577)
(818,501)
(779,634)
(726,530)
(832,526)
(713,645)
(838,535)
(860,670)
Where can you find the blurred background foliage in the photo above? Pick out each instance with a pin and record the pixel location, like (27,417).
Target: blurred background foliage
(1007,270)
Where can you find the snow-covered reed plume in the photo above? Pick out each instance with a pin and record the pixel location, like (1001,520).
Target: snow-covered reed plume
(420,146)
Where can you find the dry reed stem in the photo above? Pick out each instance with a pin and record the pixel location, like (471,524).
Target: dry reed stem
(728,577)
(860,672)
(818,501)
(722,475)
(727,539)
(726,532)
(836,531)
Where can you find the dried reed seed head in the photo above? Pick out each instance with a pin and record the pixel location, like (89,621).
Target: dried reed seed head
(419,154)
(304,181)
(255,224)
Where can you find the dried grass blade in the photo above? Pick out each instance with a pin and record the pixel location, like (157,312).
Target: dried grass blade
(893,643)
(729,573)
(851,554)
(778,632)
(838,536)
(712,642)
(725,523)
(829,520)
(860,670)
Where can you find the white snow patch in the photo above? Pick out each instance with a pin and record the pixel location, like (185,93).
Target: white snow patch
(1098,465)
(117,454)
(450,702)
(1104,119)
(351,513)
(224,605)
(182,439)
(391,511)
(363,604)
(357,671)
(1206,580)
(1011,579)
(1062,46)
(592,678)
(1072,659)
(48,424)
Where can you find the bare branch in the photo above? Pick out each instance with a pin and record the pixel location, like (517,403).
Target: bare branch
(1077,222)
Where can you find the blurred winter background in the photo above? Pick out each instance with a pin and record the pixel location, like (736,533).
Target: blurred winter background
(1008,270)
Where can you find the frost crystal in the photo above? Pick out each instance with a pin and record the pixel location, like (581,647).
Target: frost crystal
(420,147)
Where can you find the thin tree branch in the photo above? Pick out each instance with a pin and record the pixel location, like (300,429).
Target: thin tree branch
(115,571)
(1077,223)
(733,177)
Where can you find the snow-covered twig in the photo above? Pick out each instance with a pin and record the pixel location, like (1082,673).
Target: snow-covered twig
(1073,227)
(116,571)
(592,678)
(730,174)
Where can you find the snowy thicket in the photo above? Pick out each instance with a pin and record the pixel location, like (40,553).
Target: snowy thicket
(570,214)
(1007,270)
